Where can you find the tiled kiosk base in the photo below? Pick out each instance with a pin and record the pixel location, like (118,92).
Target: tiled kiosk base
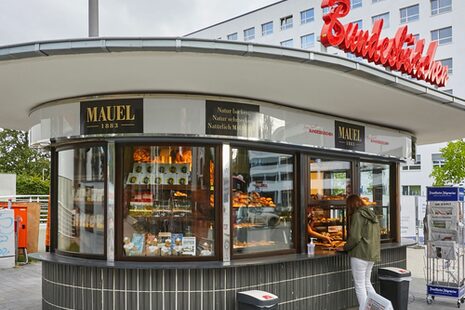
(321,282)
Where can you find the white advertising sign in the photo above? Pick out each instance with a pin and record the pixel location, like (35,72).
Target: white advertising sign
(7,233)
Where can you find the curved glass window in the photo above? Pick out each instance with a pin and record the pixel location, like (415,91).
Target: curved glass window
(262,201)
(81,200)
(375,190)
(168,201)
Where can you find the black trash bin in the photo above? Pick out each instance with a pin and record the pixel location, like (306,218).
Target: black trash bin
(255,299)
(394,285)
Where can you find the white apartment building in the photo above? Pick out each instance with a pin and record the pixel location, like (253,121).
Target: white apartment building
(298,23)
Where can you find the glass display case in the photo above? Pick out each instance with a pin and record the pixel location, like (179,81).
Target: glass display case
(375,190)
(330,184)
(168,201)
(262,201)
(81,200)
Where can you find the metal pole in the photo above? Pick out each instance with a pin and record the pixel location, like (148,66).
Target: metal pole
(93,18)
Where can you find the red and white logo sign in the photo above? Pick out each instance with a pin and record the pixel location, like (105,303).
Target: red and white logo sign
(389,52)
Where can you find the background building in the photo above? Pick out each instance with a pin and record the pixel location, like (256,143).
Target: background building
(297,24)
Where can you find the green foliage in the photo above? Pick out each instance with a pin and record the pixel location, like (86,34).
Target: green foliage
(17,157)
(31,185)
(453,170)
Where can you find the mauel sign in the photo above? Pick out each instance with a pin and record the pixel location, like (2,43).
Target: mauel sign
(112,116)
(389,52)
(229,119)
(349,136)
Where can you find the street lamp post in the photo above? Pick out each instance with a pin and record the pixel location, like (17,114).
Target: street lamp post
(93,18)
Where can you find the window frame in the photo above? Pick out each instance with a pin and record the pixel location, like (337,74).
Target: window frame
(296,195)
(436,11)
(284,25)
(438,31)
(54,194)
(119,204)
(307,35)
(285,41)
(307,20)
(450,70)
(385,25)
(232,34)
(409,190)
(357,5)
(265,33)
(394,194)
(249,37)
(409,18)
(437,163)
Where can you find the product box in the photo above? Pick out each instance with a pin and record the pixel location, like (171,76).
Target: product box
(170,179)
(138,240)
(182,178)
(442,249)
(139,168)
(134,178)
(188,246)
(162,168)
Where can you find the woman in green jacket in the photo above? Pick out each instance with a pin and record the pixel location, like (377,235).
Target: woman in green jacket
(363,245)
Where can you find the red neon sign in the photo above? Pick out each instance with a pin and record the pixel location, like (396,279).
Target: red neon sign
(389,52)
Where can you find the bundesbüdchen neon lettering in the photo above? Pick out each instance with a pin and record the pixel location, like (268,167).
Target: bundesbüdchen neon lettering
(402,52)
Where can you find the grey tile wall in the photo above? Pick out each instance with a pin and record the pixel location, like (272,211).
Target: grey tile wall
(324,283)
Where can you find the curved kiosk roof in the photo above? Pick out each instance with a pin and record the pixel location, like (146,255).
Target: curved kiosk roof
(36,74)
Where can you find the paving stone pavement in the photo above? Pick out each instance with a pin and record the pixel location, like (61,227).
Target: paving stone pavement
(21,287)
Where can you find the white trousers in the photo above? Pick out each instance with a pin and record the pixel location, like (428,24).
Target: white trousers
(361,271)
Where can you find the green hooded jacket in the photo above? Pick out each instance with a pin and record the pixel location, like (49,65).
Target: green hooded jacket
(364,236)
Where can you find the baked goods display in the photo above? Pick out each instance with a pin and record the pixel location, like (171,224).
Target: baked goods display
(251,200)
(143,204)
(165,244)
(243,244)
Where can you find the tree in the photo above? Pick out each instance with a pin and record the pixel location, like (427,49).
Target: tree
(28,164)
(453,170)
(17,157)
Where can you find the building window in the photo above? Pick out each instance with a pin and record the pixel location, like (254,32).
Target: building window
(262,201)
(384,16)
(438,160)
(440,6)
(232,36)
(287,43)
(443,35)
(411,190)
(307,16)
(286,22)
(449,91)
(249,34)
(355,4)
(267,28)
(410,13)
(416,165)
(376,1)
(447,62)
(359,23)
(307,41)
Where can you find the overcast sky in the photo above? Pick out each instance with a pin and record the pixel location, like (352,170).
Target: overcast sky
(34,20)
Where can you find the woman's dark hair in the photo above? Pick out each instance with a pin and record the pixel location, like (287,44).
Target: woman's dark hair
(353,202)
